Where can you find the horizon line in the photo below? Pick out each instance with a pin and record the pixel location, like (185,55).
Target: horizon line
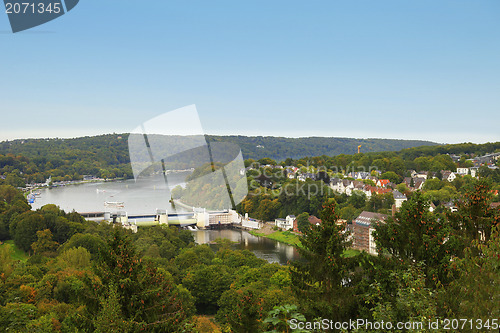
(69,137)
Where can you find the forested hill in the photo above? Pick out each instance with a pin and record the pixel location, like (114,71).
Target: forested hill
(280,148)
(107,156)
(113,149)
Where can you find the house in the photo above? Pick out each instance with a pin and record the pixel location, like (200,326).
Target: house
(291,171)
(419,183)
(474,171)
(341,185)
(313,220)
(305,176)
(280,223)
(383,182)
(390,185)
(362,231)
(335,184)
(290,219)
(448,175)
(462,171)
(399,198)
(407,181)
(422,174)
(378,190)
(359,175)
(286,223)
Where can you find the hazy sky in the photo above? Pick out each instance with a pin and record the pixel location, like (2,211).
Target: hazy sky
(412,69)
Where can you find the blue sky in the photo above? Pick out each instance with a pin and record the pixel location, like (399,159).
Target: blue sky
(377,68)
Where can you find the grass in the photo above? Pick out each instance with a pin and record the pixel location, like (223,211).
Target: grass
(281,236)
(17,253)
(349,253)
(292,239)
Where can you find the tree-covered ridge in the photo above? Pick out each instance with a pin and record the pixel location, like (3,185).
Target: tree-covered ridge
(107,156)
(280,148)
(35,160)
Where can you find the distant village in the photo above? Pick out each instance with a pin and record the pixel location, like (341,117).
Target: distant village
(369,183)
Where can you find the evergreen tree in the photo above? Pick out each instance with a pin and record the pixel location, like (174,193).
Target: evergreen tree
(322,281)
(147,297)
(417,235)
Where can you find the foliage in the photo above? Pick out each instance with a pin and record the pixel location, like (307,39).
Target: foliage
(303,221)
(279,317)
(416,235)
(320,280)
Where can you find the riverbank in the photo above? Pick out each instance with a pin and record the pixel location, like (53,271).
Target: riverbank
(286,237)
(33,187)
(183,205)
(293,239)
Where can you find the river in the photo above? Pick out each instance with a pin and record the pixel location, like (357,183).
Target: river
(144,197)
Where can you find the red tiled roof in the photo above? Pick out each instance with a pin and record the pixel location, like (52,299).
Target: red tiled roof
(314,220)
(384,182)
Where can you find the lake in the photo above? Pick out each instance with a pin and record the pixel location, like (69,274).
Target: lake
(144,197)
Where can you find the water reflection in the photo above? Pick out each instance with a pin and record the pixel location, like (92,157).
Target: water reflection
(263,248)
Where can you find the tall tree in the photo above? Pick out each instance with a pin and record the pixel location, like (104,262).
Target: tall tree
(475,217)
(148,298)
(416,235)
(303,222)
(321,280)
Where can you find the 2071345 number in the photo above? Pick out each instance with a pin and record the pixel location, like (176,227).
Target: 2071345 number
(478,324)
(32,8)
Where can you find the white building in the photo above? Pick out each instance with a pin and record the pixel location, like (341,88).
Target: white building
(285,224)
(399,198)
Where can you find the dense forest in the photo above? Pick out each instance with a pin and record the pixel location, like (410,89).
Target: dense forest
(60,273)
(107,156)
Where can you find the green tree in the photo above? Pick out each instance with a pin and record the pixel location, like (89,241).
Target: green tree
(413,302)
(78,258)
(207,283)
(320,280)
(24,228)
(476,291)
(278,318)
(44,243)
(475,217)
(147,295)
(110,317)
(416,235)
(392,176)
(303,221)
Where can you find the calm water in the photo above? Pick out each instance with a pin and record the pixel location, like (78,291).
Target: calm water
(144,197)
(264,248)
(141,197)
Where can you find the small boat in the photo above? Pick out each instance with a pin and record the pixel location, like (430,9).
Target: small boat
(100,191)
(114,204)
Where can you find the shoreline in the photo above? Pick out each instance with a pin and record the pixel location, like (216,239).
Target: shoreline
(285,237)
(176,202)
